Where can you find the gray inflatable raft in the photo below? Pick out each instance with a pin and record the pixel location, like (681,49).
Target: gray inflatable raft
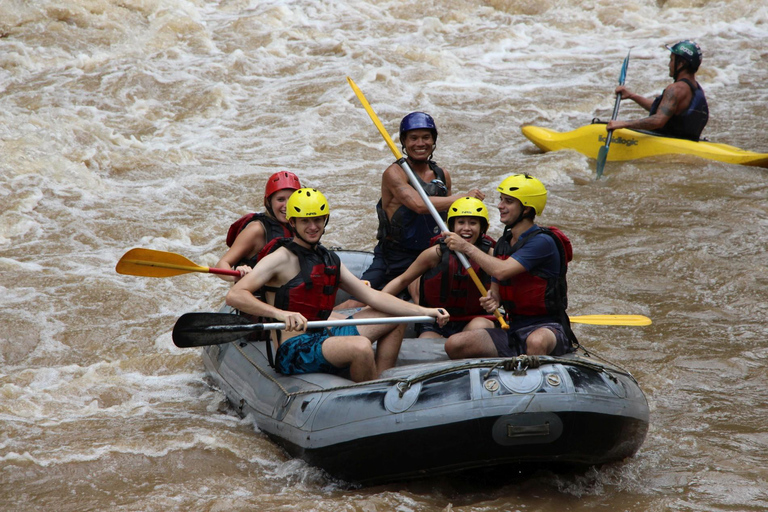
(431,415)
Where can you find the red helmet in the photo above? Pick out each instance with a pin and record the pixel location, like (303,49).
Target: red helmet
(280,181)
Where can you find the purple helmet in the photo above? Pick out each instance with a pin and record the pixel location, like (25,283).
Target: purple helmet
(417,121)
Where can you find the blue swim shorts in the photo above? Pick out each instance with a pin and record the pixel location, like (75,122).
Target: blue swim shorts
(304,353)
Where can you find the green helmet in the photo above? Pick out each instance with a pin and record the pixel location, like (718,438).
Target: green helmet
(689,51)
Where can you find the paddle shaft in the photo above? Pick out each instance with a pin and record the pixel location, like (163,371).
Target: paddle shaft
(210,270)
(602,155)
(320,324)
(204,329)
(422,193)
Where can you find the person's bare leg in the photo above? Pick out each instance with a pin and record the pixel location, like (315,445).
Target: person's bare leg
(389,337)
(476,343)
(540,342)
(353,351)
(388,347)
(349,304)
(478,323)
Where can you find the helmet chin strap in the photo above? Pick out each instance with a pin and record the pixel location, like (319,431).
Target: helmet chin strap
(519,217)
(677,68)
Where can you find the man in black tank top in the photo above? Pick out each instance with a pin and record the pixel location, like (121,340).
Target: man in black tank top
(405,224)
(681,110)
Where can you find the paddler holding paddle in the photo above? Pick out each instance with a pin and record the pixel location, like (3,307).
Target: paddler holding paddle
(437,277)
(300,279)
(681,110)
(248,235)
(405,223)
(528,270)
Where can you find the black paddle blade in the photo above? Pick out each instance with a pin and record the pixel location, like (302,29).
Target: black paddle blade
(203,329)
(602,155)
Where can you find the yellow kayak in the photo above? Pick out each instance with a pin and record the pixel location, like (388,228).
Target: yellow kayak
(630,144)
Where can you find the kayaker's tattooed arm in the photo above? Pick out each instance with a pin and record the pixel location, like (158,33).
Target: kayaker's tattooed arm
(667,109)
(669,106)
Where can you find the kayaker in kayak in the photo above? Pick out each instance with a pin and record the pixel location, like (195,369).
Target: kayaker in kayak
(300,280)
(528,269)
(405,224)
(681,110)
(438,279)
(249,234)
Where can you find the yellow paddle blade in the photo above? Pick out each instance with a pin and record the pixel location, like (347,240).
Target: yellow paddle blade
(151,263)
(634,320)
(374,118)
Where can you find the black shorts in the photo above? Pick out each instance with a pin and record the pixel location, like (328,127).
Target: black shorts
(388,263)
(513,343)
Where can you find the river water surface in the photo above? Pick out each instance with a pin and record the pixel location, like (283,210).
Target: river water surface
(154,123)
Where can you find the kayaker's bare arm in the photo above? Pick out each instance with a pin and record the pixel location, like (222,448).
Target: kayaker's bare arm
(673,102)
(491,301)
(626,94)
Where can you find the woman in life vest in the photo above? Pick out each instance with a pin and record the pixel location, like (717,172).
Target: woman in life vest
(529,268)
(248,235)
(438,279)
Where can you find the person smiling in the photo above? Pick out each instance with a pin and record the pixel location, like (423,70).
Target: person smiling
(528,269)
(437,277)
(248,235)
(405,224)
(300,279)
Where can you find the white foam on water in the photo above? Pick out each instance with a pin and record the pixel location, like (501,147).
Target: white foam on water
(155,124)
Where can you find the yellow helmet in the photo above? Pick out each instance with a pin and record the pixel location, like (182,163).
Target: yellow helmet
(527,189)
(468,207)
(307,202)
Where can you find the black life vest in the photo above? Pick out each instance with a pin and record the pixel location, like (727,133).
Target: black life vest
(407,230)
(533,293)
(312,292)
(272,230)
(690,123)
(449,285)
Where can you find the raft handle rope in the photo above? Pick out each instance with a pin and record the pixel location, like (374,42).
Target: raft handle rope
(407,383)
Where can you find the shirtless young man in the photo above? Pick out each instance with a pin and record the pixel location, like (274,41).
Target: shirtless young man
(301,279)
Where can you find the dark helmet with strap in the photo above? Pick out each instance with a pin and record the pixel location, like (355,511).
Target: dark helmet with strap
(689,51)
(417,121)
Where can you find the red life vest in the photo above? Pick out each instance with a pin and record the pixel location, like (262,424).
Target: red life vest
(313,291)
(533,293)
(450,286)
(272,230)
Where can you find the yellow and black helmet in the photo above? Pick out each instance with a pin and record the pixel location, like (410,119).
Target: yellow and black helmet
(527,189)
(468,207)
(307,202)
